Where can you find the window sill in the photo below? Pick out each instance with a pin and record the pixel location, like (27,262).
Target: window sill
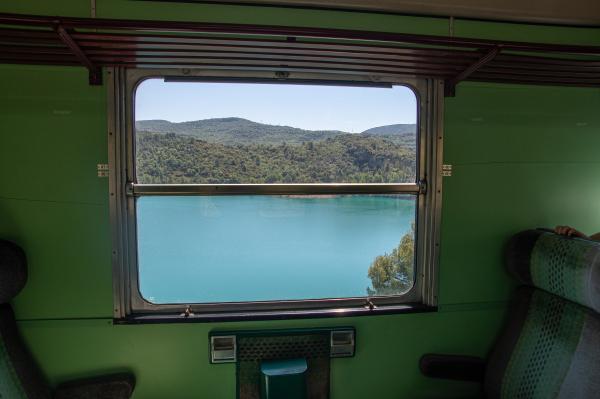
(275,315)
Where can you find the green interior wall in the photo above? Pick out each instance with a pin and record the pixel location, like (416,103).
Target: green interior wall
(523,157)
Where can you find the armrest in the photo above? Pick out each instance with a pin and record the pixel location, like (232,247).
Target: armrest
(114,386)
(453,367)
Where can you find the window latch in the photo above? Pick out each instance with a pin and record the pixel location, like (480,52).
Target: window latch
(422,186)
(187,312)
(370,305)
(129,189)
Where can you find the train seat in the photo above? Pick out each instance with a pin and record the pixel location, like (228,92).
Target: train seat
(20,377)
(550,347)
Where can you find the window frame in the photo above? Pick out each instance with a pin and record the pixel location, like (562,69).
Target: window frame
(129,302)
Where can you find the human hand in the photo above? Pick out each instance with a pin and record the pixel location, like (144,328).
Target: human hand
(569,232)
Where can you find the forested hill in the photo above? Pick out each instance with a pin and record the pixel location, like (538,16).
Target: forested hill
(233,131)
(234,150)
(349,158)
(238,131)
(389,130)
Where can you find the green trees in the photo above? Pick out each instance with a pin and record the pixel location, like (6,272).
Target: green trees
(347,158)
(235,131)
(393,273)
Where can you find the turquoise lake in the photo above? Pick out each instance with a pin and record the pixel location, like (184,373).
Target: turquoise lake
(258,248)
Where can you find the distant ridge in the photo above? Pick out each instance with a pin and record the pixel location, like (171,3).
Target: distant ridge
(389,130)
(239,131)
(236,131)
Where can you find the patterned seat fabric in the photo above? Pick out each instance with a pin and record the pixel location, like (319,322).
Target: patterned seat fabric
(19,376)
(551,346)
(566,267)
(10,385)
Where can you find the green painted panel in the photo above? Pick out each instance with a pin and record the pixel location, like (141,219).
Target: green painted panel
(485,204)
(527,33)
(491,123)
(70,8)
(172,360)
(523,157)
(53,128)
(129,9)
(269,15)
(68,251)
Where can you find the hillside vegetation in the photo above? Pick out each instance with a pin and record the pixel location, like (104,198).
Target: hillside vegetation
(236,131)
(234,150)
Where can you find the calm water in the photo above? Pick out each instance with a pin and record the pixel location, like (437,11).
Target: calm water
(256,248)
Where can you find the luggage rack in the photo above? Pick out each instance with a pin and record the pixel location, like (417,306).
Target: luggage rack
(96,43)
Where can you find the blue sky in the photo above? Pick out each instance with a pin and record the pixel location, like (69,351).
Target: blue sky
(350,109)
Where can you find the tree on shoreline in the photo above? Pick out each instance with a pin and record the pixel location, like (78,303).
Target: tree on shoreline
(392,274)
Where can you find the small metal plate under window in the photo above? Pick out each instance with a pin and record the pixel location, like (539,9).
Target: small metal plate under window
(102,169)
(446,170)
(342,343)
(223,349)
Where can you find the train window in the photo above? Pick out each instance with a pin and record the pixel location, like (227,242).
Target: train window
(256,194)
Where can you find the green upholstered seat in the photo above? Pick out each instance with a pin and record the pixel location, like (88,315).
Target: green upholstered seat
(551,345)
(20,378)
(10,385)
(563,266)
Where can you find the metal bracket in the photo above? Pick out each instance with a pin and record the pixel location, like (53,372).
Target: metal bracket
(95,72)
(450,84)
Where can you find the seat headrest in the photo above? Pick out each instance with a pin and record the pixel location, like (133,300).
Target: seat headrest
(564,266)
(13,270)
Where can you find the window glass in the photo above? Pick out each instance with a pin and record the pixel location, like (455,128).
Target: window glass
(260,248)
(231,133)
(246,248)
